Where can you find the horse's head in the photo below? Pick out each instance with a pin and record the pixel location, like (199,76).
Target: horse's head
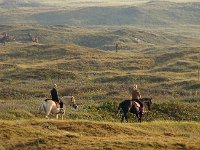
(73,103)
(70,100)
(148,102)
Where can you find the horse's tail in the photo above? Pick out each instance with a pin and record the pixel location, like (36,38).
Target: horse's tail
(119,109)
(42,108)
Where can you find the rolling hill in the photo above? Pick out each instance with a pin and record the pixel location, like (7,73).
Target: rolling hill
(95,135)
(158,49)
(149,13)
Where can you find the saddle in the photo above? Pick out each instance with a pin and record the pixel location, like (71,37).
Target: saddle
(138,106)
(57,103)
(135,103)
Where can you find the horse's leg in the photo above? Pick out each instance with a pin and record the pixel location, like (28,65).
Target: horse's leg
(126,116)
(122,120)
(123,116)
(48,112)
(140,117)
(56,116)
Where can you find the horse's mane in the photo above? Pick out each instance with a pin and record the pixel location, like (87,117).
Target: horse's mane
(47,99)
(69,98)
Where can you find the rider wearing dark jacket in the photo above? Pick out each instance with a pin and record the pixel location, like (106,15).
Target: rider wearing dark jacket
(54,96)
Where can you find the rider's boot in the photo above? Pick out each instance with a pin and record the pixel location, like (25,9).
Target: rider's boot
(61,110)
(142,110)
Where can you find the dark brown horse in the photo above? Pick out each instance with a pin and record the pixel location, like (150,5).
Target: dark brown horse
(3,40)
(6,38)
(127,106)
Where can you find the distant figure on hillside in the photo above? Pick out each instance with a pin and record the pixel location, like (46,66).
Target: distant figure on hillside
(34,39)
(54,96)
(4,37)
(11,38)
(135,94)
(3,40)
(116,47)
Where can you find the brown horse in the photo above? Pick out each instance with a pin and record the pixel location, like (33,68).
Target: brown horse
(127,106)
(11,38)
(3,40)
(34,39)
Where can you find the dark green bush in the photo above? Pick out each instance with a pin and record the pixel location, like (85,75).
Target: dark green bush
(109,106)
(175,111)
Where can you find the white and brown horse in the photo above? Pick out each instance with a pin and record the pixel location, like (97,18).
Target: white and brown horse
(49,106)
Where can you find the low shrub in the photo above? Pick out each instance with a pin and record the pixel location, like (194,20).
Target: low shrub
(178,111)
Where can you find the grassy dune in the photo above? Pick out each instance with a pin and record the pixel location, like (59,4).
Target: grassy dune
(112,13)
(158,50)
(80,66)
(42,134)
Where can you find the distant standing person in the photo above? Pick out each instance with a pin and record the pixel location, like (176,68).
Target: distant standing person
(116,47)
(54,96)
(135,93)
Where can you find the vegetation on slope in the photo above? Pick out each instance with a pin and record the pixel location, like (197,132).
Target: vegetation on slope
(157,53)
(99,80)
(95,135)
(149,13)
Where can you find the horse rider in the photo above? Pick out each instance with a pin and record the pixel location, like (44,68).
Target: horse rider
(135,93)
(54,96)
(4,38)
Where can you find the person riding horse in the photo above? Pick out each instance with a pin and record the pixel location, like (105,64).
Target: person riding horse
(135,93)
(4,38)
(54,96)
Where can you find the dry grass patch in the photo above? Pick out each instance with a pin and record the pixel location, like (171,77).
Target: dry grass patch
(99,135)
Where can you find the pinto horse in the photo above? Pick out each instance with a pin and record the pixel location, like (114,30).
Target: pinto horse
(50,106)
(132,107)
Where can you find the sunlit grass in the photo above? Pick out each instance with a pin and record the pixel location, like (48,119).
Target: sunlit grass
(95,134)
(99,81)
